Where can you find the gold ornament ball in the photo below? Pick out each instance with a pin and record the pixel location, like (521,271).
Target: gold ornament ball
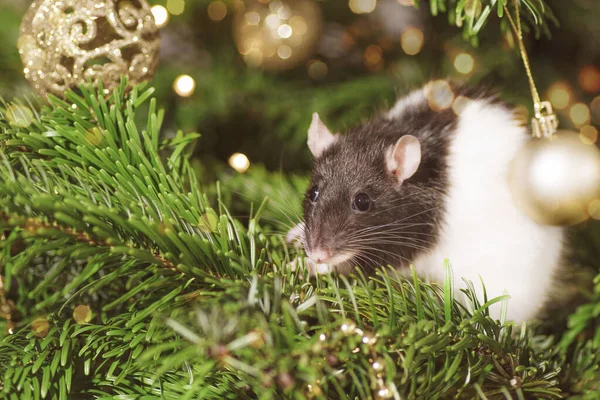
(275,34)
(40,327)
(9,328)
(348,327)
(64,43)
(82,314)
(383,392)
(555,180)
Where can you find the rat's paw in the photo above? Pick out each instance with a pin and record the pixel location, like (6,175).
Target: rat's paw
(296,234)
(295,264)
(312,267)
(315,268)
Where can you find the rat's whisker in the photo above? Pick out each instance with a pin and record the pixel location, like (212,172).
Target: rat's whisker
(401,204)
(390,234)
(389,228)
(391,224)
(394,225)
(375,252)
(395,234)
(403,243)
(389,240)
(363,249)
(415,215)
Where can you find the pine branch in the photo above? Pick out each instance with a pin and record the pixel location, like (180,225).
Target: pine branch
(101,219)
(473,15)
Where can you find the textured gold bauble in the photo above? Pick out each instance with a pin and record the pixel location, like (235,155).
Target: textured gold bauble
(40,327)
(275,34)
(82,314)
(555,180)
(64,43)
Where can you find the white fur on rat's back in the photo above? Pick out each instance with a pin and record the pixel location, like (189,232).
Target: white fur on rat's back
(483,233)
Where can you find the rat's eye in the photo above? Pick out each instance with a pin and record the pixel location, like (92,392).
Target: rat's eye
(313,193)
(361,202)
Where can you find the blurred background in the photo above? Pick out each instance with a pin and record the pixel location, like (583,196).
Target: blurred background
(248,74)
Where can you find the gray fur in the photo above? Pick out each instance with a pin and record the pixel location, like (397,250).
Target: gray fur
(356,163)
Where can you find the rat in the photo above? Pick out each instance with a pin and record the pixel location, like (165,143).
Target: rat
(425,182)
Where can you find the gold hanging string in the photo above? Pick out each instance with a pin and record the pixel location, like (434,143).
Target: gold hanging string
(545,122)
(519,34)
(6,307)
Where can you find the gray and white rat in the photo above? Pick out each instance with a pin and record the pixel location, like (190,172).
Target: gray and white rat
(425,182)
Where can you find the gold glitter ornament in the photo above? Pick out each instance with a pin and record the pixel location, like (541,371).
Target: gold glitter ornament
(378,365)
(348,327)
(555,180)
(64,43)
(9,328)
(383,392)
(40,327)
(369,339)
(275,34)
(82,314)
(6,308)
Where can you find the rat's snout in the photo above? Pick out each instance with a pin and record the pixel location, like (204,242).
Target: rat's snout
(319,255)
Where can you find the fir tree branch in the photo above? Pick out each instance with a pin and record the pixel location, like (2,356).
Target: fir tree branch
(86,217)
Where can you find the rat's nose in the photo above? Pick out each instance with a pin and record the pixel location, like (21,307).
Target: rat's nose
(320,255)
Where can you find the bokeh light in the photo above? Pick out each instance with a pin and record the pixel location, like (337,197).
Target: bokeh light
(276,35)
(284,31)
(594,209)
(579,114)
(176,7)
(217,10)
(298,25)
(239,162)
(272,21)
(595,109)
(439,95)
(464,63)
(284,51)
(362,6)
(588,134)
(317,70)
(589,78)
(184,85)
(161,15)
(459,104)
(372,55)
(252,18)
(560,95)
(412,41)
(275,5)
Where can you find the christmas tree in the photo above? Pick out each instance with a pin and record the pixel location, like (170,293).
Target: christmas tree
(139,259)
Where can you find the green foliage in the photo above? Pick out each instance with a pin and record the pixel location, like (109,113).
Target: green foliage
(191,302)
(190,284)
(472,15)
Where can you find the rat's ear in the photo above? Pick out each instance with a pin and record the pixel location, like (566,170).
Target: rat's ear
(319,136)
(403,159)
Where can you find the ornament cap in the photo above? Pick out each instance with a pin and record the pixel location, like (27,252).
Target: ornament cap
(544,122)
